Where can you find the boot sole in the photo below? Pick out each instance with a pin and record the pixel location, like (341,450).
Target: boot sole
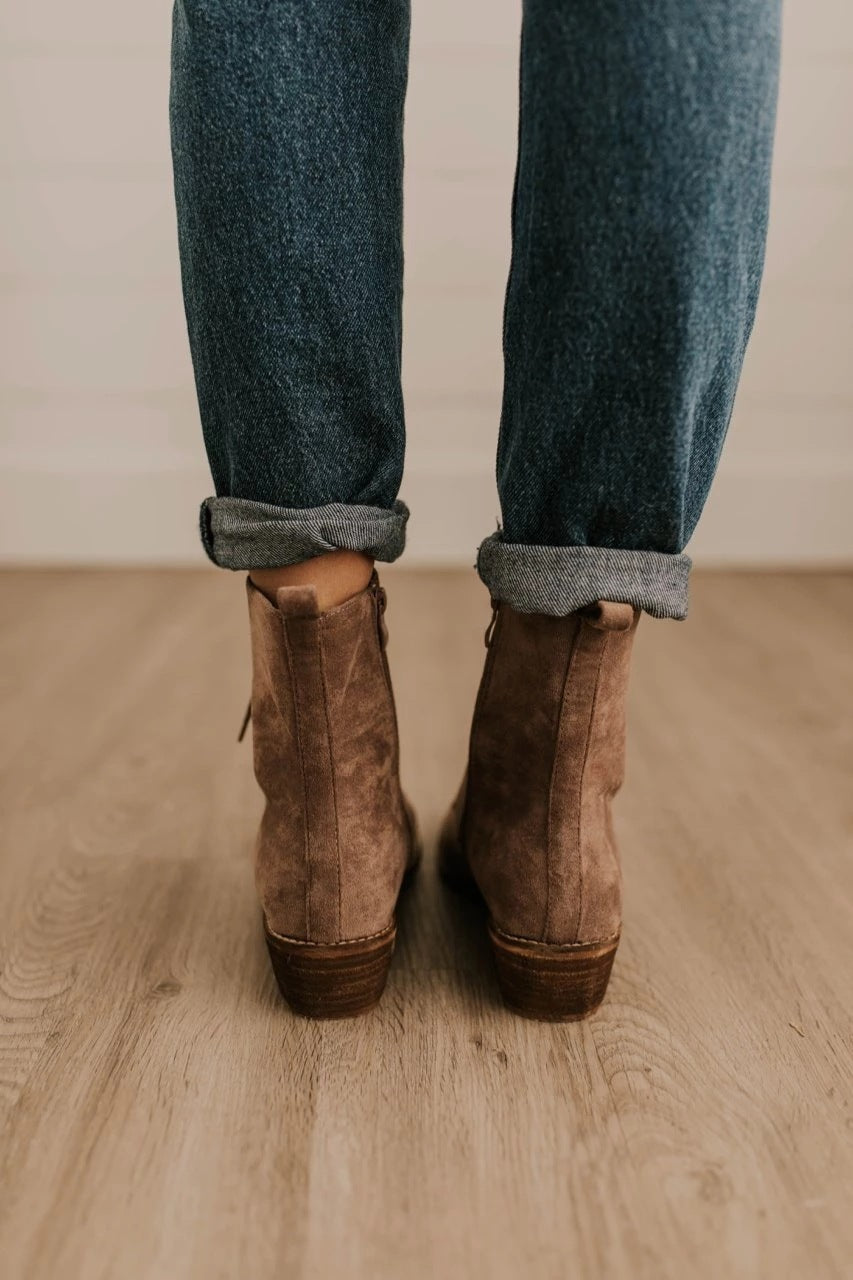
(552,983)
(538,980)
(338,980)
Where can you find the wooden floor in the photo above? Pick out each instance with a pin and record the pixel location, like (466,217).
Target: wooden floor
(163,1115)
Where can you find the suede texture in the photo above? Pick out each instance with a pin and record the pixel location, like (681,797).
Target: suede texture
(533,820)
(336,835)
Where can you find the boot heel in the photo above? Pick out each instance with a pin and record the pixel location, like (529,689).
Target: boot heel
(552,983)
(334,981)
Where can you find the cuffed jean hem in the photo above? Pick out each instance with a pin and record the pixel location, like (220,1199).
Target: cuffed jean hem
(559,580)
(240,534)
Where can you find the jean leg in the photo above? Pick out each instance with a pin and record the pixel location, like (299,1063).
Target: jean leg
(639,221)
(287,144)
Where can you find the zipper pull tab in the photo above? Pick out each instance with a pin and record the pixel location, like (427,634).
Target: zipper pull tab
(490,629)
(381,601)
(244,726)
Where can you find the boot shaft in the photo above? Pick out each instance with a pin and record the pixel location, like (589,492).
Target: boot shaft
(332,846)
(547,755)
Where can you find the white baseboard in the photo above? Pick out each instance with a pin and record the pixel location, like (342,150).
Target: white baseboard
(797,515)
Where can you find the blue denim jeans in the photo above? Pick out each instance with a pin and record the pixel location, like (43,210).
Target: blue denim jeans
(639,218)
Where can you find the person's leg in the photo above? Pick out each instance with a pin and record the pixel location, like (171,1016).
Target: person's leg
(336,576)
(638,238)
(287,138)
(638,235)
(287,141)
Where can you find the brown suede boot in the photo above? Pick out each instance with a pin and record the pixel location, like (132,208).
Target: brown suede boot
(337,837)
(531,824)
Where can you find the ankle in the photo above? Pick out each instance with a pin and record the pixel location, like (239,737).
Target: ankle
(336,576)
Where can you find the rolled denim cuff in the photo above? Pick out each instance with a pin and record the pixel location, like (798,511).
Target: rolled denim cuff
(240,534)
(559,580)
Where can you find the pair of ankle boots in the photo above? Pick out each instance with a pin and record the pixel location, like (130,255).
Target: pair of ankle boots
(530,830)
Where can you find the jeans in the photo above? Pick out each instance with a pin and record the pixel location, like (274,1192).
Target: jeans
(639,218)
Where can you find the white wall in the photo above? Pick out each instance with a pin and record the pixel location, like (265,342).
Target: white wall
(100,454)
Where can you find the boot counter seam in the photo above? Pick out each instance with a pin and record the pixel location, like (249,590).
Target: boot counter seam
(342,942)
(602,639)
(555,757)
(322,662)
(305,804)
(556,946)
(479,707)
(603,644)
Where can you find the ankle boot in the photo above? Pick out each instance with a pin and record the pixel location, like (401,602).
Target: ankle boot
(337,836)
(531,827)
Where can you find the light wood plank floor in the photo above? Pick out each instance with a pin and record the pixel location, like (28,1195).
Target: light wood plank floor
(162,1114)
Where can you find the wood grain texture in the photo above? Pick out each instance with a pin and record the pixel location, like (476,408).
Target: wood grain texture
(162,1114)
